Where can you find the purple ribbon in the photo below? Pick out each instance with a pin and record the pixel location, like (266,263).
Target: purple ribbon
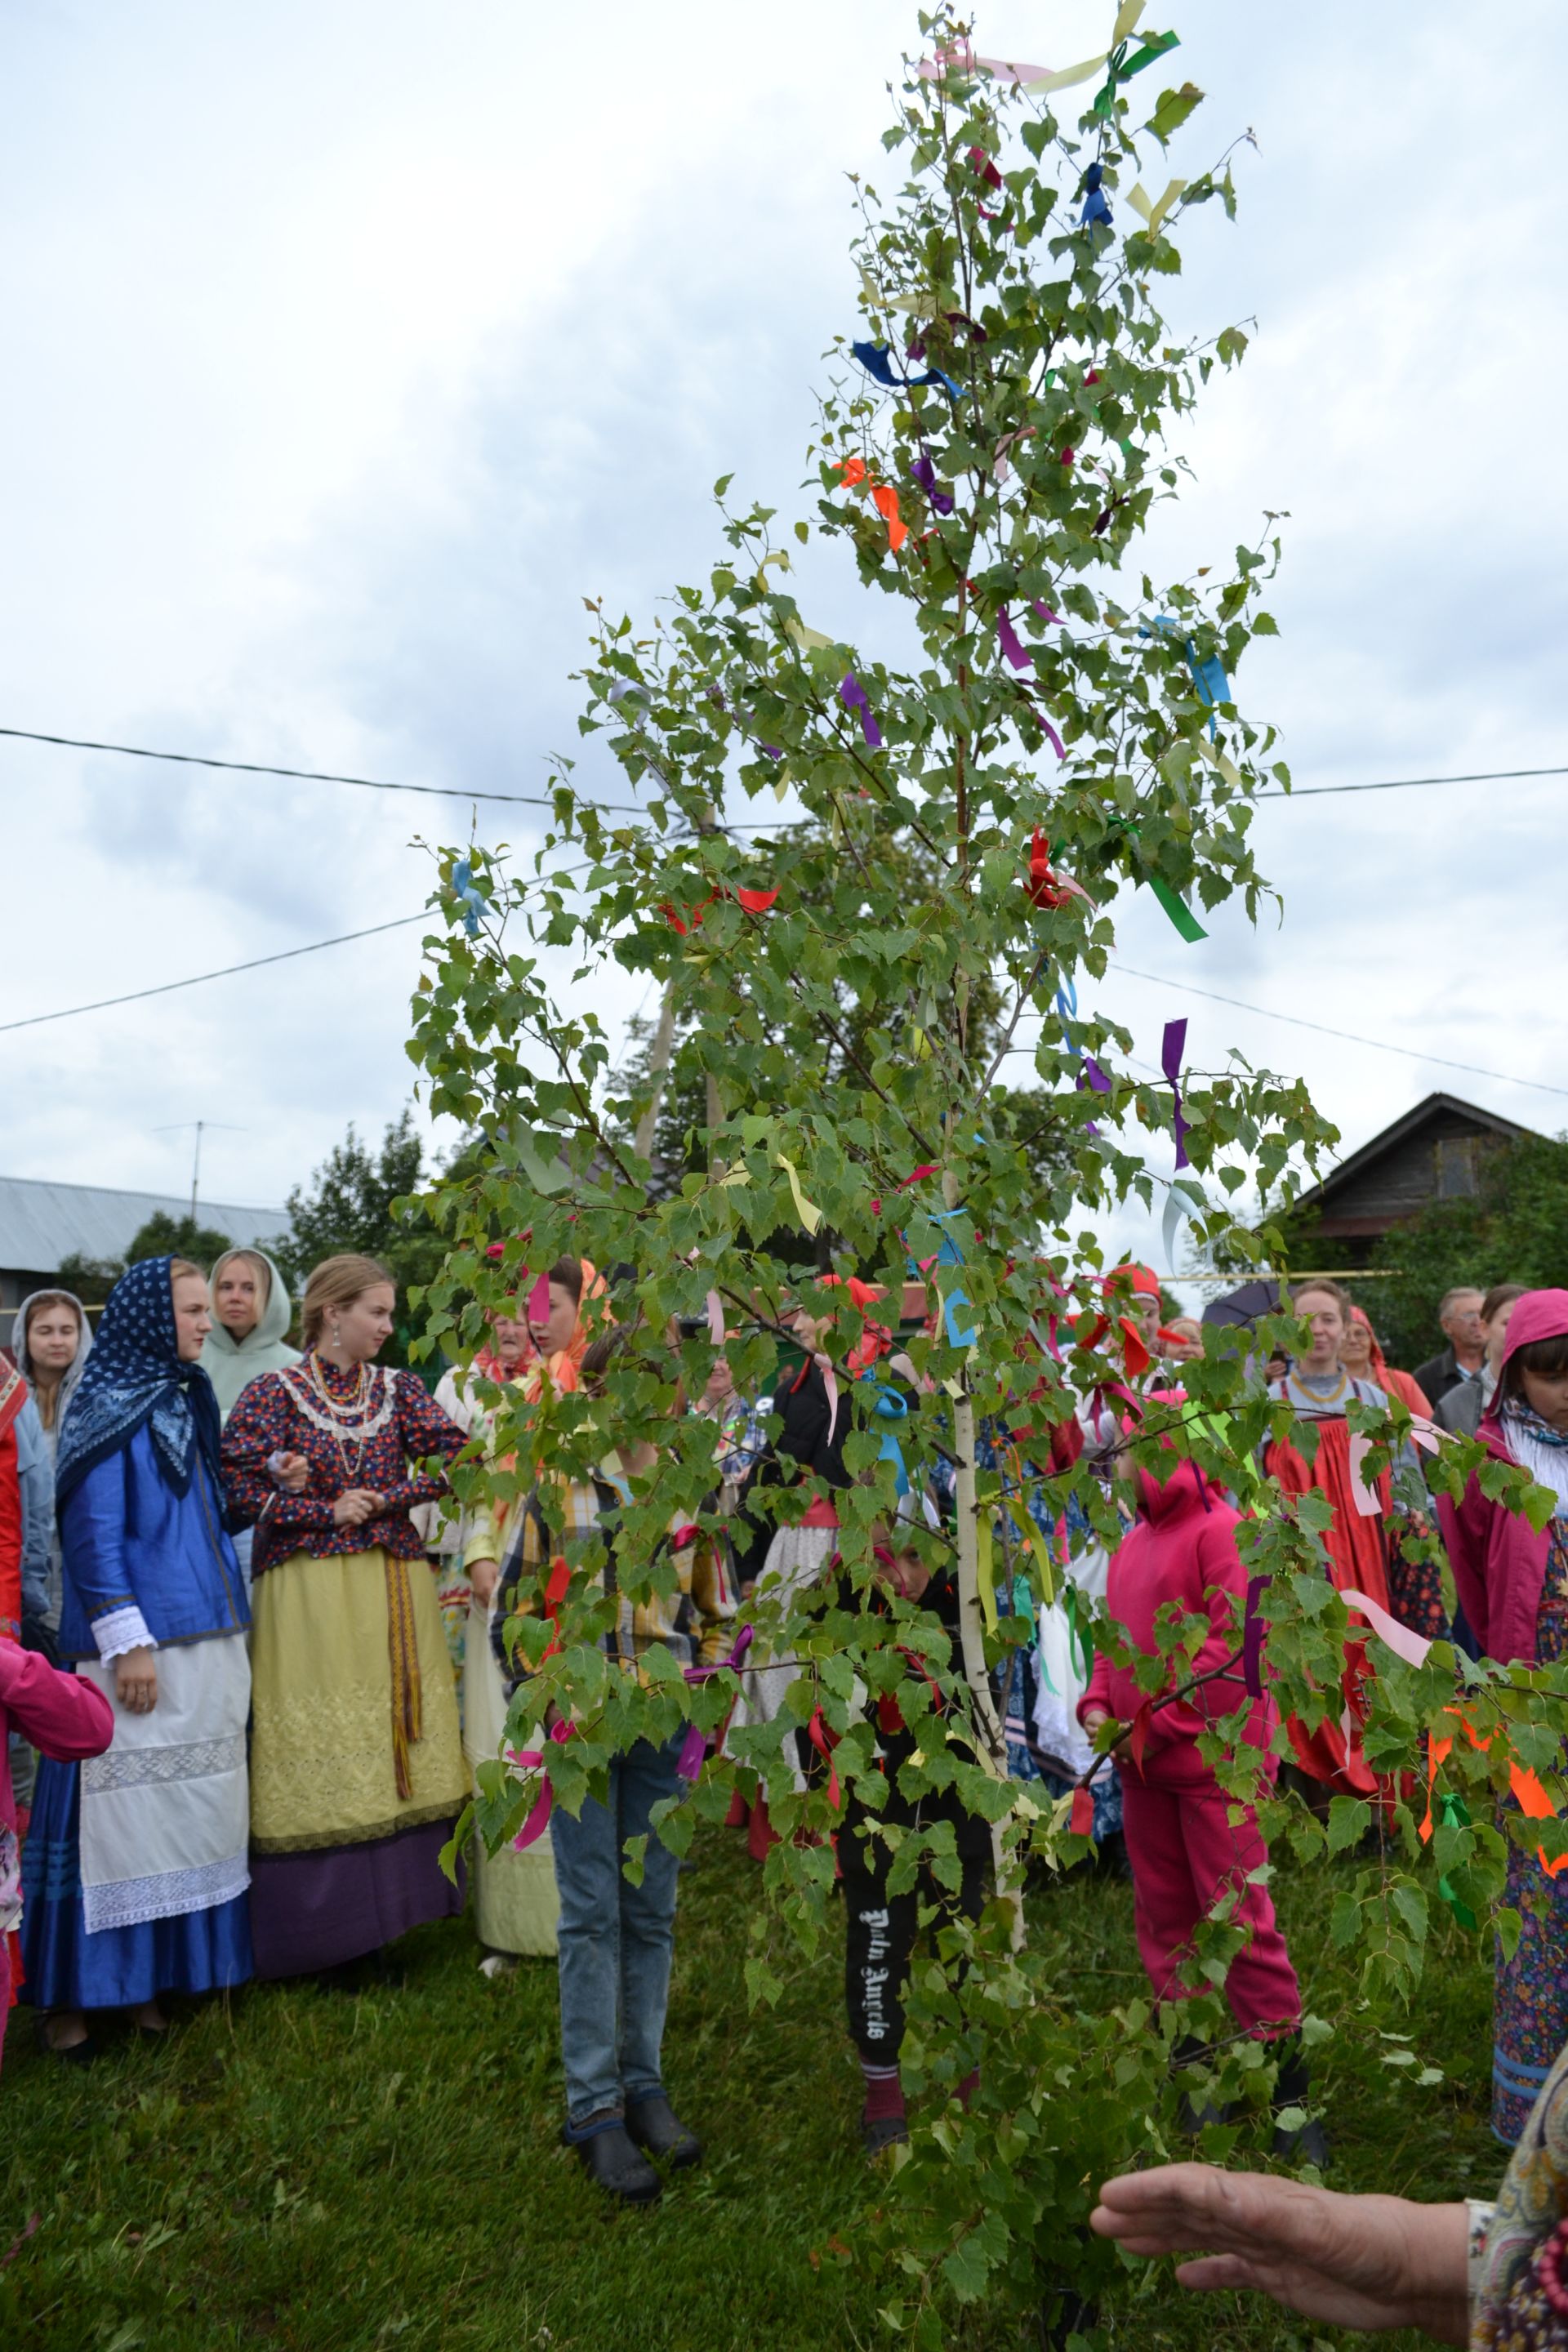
(1096,1075)
(1252,1638)
(1171,1054)
(1043,611)
(694,1747)
(852,693)
(1012,646)
(924,473)
(1056,740)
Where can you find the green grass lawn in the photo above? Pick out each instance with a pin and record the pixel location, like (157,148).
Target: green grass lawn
(334,2171)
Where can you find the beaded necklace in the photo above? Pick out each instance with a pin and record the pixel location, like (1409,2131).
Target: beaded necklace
(370,1407)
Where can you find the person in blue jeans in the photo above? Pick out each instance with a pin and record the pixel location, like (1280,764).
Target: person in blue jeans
(614,1941)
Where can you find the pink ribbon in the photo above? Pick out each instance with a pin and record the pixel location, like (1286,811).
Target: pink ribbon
(957,57)
(1008,637)
(539,1300)
(1368,1501)
(1404,1644)
(532,1759)
(715,1319)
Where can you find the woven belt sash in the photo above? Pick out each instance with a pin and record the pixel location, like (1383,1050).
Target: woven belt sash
(403,1647)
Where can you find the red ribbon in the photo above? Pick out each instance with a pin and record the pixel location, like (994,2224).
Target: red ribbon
(753,902)
(825,1741)
(1080,1821)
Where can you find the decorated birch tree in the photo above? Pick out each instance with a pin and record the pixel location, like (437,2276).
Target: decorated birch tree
(1024,730)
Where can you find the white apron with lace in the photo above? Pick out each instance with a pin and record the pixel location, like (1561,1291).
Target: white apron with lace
(166,1811)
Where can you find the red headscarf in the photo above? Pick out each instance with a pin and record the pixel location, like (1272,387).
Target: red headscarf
(1403,1385)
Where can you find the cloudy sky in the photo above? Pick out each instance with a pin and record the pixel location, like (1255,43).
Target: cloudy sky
(349,345)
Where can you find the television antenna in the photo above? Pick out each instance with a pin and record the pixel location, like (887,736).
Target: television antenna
(201,1126)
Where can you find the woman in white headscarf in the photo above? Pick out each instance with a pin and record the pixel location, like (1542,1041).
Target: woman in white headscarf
(251,1314)
(51,1337)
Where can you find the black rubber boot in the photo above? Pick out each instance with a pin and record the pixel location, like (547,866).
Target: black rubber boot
(608,2157)
(1308,2144)
(654,2126)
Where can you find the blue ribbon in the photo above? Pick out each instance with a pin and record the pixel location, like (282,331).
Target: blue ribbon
(470,897)
(949,1254)
(878,360)
(891,1407)
(1095,207)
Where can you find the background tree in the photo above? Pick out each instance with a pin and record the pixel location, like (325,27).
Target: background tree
(162,1235)
(1513,1228)
(1043,727)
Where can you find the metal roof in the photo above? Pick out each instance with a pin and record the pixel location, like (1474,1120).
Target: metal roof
(42,1224)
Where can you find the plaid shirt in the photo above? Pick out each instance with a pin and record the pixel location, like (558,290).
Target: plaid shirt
(560,1517)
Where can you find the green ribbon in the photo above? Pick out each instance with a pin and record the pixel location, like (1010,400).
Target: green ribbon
(1076,1636)
(1121,67)
(1455,1814)
(1181,914)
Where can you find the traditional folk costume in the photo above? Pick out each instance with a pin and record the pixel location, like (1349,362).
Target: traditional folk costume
(1513,1587)
(357,1772)
(39,1493)
(135,1869)
(1363,1556)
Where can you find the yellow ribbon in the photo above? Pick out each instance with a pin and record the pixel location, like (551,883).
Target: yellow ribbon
(808,640)
(1023,1519)
(1155,214)
(985,1568)
(810,1215)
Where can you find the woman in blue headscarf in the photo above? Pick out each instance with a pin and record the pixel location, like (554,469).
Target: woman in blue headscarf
(134,1877)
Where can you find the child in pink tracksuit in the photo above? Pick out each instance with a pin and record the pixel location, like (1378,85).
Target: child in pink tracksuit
(1185,1847)
(64,1716)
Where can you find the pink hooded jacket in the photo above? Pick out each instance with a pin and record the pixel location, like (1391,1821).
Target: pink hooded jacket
(1183,1550)
(1499,1560)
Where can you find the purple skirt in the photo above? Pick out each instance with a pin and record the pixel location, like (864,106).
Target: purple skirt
(316,1910)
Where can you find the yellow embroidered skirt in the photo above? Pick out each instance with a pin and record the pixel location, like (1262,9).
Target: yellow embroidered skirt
(354,1730)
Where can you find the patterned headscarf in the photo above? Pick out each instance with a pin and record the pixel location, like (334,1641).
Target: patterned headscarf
(133,1376)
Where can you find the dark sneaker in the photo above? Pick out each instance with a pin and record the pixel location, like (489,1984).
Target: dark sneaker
(877,2132)
(608,2157)
(654,2126)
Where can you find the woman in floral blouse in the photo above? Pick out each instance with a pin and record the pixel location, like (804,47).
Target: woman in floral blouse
(356,1766)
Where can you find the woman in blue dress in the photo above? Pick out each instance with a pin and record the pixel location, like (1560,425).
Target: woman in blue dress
(135,1873)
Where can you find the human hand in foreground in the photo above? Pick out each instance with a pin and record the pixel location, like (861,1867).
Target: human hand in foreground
(291,1471)
(351,1510)
(1371,2263)
(1094,1720)
(136,1681)
(484,1575)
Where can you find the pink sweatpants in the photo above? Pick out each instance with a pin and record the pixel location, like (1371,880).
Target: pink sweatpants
(1184,1852)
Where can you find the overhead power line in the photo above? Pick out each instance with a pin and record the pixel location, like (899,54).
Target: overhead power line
(167,987)
(1409,784)
(300,775)
(1346,1036)
(625,808)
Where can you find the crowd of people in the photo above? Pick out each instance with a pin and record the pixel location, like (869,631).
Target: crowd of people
(251,1651)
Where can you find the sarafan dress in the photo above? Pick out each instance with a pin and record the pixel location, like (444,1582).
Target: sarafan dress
(357,1768)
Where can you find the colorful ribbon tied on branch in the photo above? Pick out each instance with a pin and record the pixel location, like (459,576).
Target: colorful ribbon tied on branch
(1090,1072)
(752,902)
(877,359)
(852,693)
(884,498)
(1095,207)
(470,897)
(1124,62)
(891,1411)
(924,472)
(1252,1636)
(1173,1046)
(1047,887)
(529,1760)
(695,1746)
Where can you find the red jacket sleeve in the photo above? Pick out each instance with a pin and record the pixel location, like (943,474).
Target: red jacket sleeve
(10,1540)
(63,1715)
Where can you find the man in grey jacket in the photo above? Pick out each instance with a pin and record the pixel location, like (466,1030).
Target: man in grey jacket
(1460,1317)
(1463,1408)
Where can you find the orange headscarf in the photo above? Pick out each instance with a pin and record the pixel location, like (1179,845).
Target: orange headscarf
(563,1371)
